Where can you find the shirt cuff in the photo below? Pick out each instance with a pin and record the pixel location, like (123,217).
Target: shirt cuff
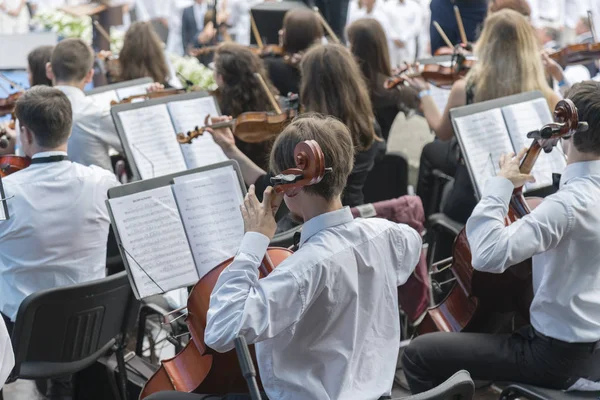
(254,244)
(499,187)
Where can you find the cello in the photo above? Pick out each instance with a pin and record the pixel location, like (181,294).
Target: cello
(197,368)
(477,293)
(10,163)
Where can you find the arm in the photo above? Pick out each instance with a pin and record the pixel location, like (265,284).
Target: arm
(494,246)
(105,128)
(224,138)
(440,123)
(408,245)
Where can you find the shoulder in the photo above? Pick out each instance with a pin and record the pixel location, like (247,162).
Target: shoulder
(95,173)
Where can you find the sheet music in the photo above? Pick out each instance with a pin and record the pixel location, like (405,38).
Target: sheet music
(484,139)
(440,97)
(187,115)
(151,138)
(104,99)
(210,211)
(152,234)
(210,173)
(523,118)
(135,90)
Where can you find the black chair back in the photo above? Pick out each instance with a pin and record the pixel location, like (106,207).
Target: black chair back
(61,331)
(387,180)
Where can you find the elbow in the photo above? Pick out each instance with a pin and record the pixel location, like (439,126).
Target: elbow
(220,340)
(488,260)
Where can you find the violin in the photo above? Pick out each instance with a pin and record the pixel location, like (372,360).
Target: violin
(577,54)
(11,163)
(197,368)
(151,95)
(8,104)
(439,74)
(477,293)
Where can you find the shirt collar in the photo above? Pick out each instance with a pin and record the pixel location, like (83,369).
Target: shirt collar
(70,91)
(324,221)
(49,154)
(582,168)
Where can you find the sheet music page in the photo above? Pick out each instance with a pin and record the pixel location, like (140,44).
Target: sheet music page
(484,139)
(187,115)
(134,90)
(151,138)
(153,236)
(210,210)
(523,118)
(440,97)
(210,173)
(103,99)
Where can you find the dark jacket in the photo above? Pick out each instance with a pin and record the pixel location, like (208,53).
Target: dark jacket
(189,29)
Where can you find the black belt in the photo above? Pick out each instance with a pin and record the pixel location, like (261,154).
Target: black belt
(592,346)
(49,159)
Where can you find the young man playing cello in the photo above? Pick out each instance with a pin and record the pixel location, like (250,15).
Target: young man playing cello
(325,322)
(561,348)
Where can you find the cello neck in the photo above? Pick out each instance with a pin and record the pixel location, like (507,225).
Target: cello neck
(530,158)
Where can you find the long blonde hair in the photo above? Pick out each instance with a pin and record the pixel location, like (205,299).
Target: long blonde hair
(509,60)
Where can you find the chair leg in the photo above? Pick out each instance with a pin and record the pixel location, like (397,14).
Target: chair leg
(122,375)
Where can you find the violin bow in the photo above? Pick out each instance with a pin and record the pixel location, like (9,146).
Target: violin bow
(255,32)
(12,83)
(268,93)
(102,31)
(443,34)
(461,27)
(330,31)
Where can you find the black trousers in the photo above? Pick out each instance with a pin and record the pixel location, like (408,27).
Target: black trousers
(335,13)
(473,12)
(524,356)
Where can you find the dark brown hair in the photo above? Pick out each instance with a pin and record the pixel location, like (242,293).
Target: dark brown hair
(334,139)
(520,6)
(71,60)
(369,45)
(332,84)
(47,113)
(142,54)
(37,60)
(241,91)
(586,96)
(302,29)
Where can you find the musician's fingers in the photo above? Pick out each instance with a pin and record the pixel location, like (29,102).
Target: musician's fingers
(502,160)
(271,200)
(207,119)
(244,214)
(529,178)
(253,202)
(522,153)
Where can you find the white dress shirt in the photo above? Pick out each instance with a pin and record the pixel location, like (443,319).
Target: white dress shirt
(563,236)
(57,231)
(93,132)
(7,358)
(147,10)
(325,321)
(406,21)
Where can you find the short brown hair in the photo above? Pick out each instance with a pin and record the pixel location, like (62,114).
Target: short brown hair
(586,97)
(520,6)
(47,113)
(37,60)
(71,60)
(142,54)
(334,139)
(302,29)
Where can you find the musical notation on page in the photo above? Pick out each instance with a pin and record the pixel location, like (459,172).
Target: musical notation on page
(150,134)
(189,114)
(151,232)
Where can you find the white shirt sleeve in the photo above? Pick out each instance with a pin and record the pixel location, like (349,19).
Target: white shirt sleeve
(408,244)
(106,129)
(7,358)
(241,305)
(495,247)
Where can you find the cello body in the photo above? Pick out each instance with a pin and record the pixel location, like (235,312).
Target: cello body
(197,368)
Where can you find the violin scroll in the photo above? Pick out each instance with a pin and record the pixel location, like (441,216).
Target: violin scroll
(186,138)
(310,169)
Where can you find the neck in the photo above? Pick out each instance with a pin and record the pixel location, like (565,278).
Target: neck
(80,85)
(38,149)
(318,205)
(581,157)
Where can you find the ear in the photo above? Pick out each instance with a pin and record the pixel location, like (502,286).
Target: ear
(49,72)
(26,135)
(89,76)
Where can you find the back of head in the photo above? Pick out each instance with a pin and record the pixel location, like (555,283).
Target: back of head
(509,60)
(520,6)
(332,84)
(369,45)
(37,60)
(586,96)
(47,113)
(241,90)
(71,60)
(302,30)
(142,54)
(335,141)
